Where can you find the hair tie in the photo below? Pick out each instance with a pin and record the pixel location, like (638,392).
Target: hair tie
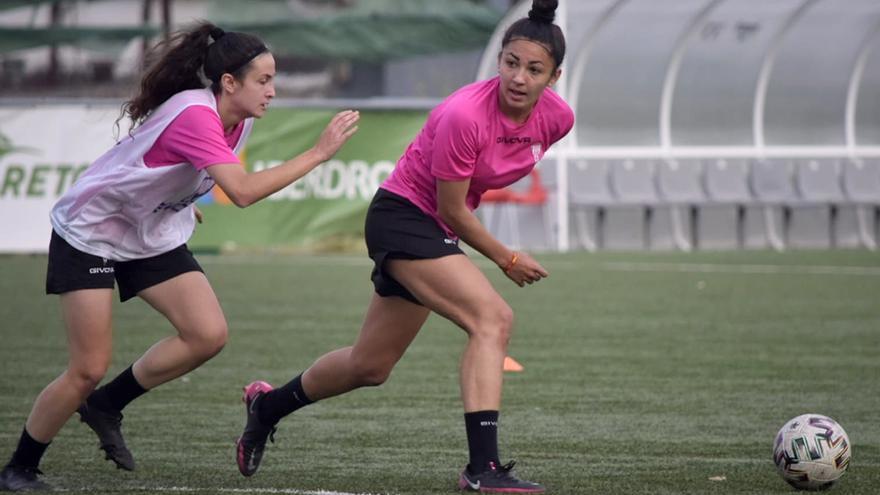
(217,33)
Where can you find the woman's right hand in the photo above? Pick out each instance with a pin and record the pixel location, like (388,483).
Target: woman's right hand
(523,269)
(341,127)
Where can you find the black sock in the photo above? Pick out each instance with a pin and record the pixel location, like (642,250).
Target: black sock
(29,451)
(282,401)
(482,436)
(116,394)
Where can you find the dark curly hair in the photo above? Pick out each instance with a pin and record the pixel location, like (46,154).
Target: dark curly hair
(186,60)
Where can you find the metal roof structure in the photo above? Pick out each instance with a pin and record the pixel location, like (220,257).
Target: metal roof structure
(714,78)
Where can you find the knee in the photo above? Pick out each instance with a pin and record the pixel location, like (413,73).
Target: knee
(88,375)
(369,373)
(211,340)
(495,325)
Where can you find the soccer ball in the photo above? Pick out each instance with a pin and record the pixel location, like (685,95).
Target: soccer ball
(811,451)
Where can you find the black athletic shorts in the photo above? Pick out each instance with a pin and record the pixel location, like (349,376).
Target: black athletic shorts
(398,229)
(70,269)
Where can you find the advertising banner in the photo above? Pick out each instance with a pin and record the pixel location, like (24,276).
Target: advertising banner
(42,151)
(44,148)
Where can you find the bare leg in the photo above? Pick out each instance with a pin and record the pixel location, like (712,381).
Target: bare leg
(189,303)
(455,288)
(451,286)
(390,325)
(87,320)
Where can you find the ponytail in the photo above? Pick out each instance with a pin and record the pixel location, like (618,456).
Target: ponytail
(539,27)
(186,60)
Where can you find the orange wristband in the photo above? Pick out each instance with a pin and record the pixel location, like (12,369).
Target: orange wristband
(511,263)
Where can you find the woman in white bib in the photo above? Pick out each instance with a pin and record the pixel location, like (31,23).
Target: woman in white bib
(127,219)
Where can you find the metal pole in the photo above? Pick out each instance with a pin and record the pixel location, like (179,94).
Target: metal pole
(166,19)
(562,157)
(56,14)
(146,14)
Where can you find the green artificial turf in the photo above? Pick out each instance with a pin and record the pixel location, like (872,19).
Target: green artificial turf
(645,373)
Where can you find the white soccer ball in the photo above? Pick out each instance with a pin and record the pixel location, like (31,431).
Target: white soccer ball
(811,452)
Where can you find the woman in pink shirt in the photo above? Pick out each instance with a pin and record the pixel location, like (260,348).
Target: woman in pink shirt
(486,135)
(127,219)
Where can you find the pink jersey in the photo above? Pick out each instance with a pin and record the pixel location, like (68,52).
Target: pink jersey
(467,137)
(195,136)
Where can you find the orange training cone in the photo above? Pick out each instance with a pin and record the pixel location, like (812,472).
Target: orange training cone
(510,364)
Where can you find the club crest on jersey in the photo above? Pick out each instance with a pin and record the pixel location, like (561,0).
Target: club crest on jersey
(537,152)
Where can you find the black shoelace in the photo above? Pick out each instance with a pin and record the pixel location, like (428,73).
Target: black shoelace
(506,472)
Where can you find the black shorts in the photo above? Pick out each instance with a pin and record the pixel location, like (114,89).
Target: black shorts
(398,229)
(70,269)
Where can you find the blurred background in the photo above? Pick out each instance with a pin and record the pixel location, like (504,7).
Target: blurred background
(324,48)
(701,124)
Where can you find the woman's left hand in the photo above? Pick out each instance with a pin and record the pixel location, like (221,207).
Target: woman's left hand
(341,127)
(523,269)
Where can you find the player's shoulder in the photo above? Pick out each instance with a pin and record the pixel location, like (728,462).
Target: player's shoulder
(552,102)
(470,102)
(198,101)
(198,114)
(476,94)
(199,96)
(191,109)
(556,113)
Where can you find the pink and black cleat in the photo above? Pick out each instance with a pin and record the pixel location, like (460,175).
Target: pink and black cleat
(250,445)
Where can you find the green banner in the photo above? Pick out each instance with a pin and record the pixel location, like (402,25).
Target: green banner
(323,210)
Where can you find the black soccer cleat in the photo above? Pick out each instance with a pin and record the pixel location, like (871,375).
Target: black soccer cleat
(108,426)
(21,479)
(250,445)
(496,479)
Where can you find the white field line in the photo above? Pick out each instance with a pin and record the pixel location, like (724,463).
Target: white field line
(864,271)
(189,489)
